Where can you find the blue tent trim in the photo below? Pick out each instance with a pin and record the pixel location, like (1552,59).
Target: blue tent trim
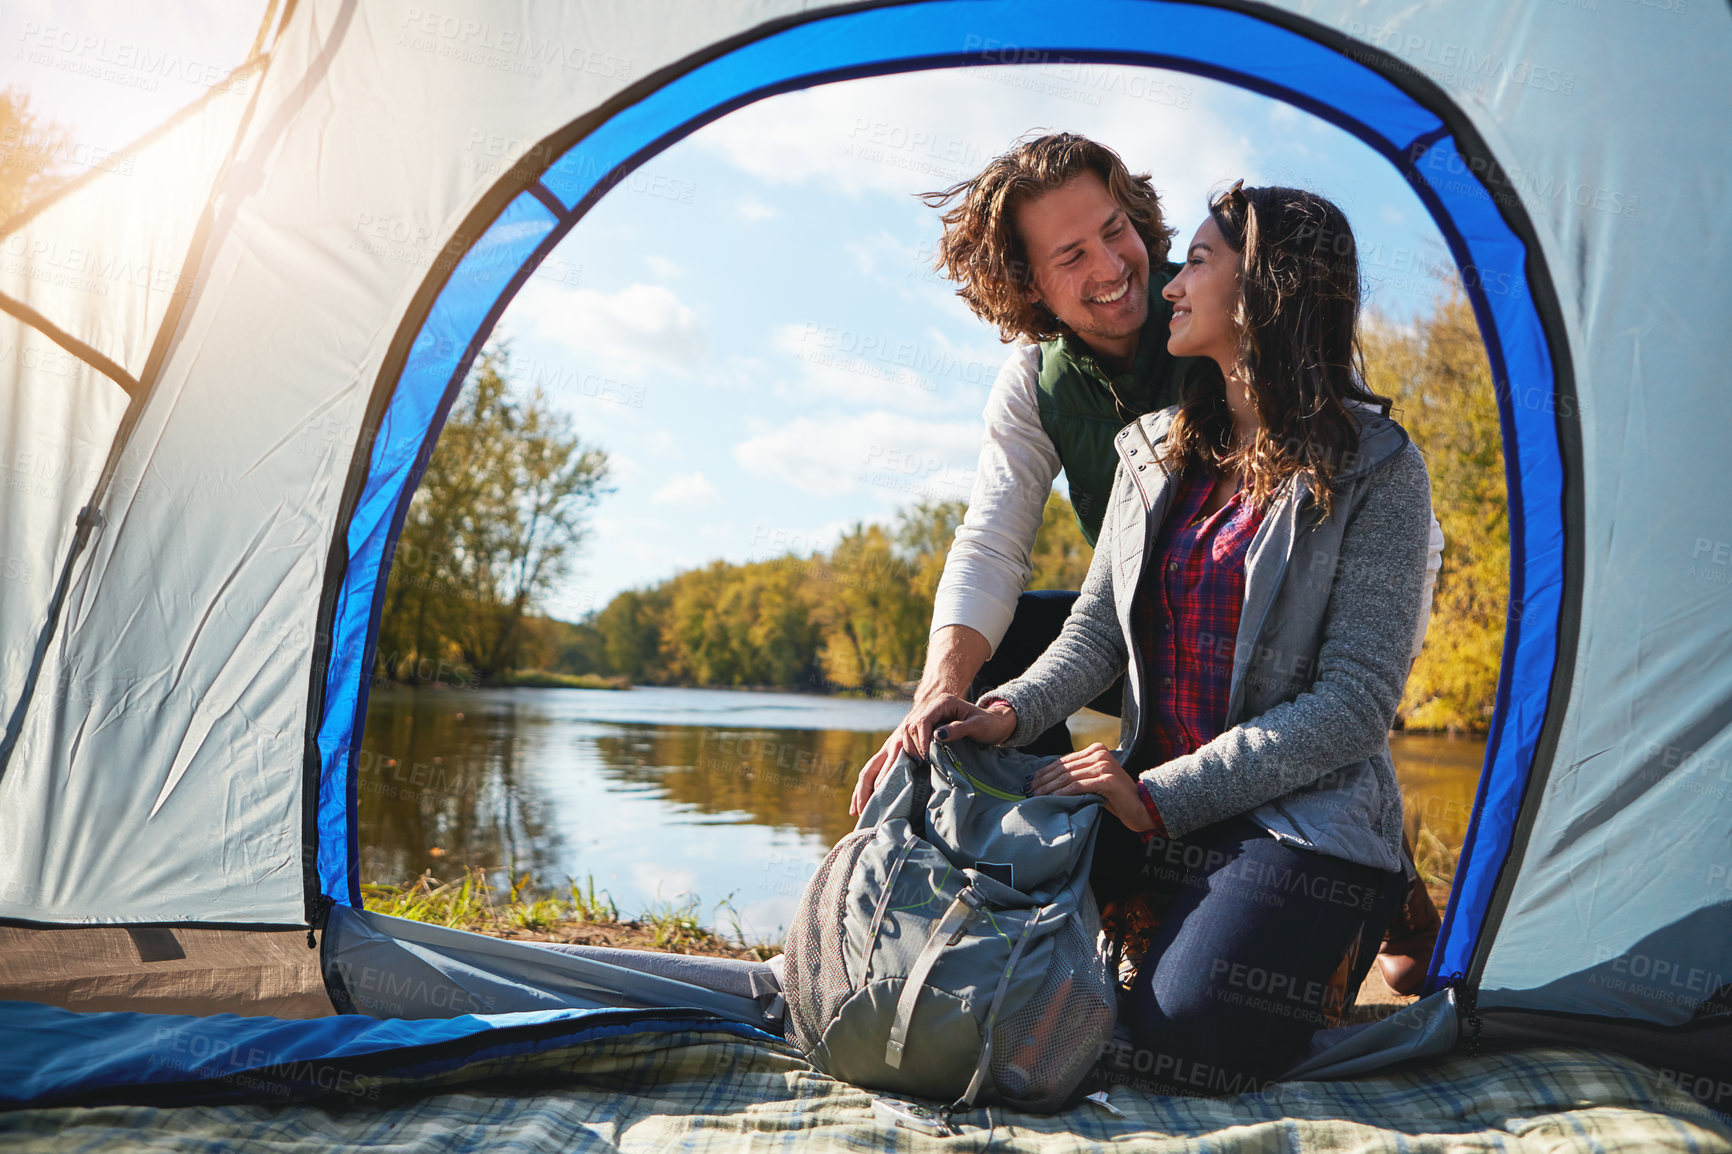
(61,1058)
(1275,54)
(438,359)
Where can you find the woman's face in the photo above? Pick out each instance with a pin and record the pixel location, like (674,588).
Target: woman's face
(1204,295)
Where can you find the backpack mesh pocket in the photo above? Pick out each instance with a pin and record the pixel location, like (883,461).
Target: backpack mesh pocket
(1042,1051)
(815,975)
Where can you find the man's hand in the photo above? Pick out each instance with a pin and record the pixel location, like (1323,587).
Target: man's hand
(956,654)
(1096,770)
(958,717)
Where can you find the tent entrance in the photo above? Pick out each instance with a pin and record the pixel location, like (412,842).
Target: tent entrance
(1384,103)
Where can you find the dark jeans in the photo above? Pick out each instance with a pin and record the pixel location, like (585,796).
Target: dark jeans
(1235,980)
(1237,976)
(1038,619)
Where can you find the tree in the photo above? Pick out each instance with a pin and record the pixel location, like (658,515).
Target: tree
(1061,553)
(553,483)
(1438,373)
(874,630)
(924,532)
(496,522)
(28,148)
(856,617)
(631,634)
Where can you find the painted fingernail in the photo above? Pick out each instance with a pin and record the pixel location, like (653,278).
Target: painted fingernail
(943,733)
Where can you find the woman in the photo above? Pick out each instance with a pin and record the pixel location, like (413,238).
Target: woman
(1281,519)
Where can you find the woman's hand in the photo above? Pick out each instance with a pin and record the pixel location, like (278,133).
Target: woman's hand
(956,716)
(1096,770)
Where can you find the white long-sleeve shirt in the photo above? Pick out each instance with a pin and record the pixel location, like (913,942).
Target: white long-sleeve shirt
(990,561)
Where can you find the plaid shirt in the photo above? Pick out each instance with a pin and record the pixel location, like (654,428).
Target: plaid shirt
(1186,618)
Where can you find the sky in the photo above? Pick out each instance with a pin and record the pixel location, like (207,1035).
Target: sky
(749,325)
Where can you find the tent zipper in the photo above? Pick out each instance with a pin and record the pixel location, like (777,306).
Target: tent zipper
(321,914)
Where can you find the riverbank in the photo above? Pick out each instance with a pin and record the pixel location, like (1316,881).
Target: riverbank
(542,679)
(587,918)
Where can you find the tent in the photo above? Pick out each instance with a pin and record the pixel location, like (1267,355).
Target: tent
(221,384)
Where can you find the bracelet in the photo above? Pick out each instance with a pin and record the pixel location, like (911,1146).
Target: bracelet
(1148,799)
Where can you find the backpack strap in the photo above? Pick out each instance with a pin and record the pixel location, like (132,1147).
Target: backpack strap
(945,933)
(907,847)
(919,795)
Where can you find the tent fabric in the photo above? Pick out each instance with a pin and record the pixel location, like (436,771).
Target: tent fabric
(57,1056)
(697,1090)
(163,970)
(98,278)
(184,676)
(387,967)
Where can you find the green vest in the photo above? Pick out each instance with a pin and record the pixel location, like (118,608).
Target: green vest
(1077,408)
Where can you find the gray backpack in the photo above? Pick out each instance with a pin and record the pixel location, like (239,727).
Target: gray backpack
(948,948)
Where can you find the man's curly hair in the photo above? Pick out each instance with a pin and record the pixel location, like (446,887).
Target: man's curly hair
(981,251)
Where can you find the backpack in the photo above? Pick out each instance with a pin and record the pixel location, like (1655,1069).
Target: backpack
(948,948)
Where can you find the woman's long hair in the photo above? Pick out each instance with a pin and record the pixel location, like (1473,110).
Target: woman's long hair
(1298,351)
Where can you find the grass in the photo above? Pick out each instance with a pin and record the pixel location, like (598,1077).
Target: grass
(542,679)
(760,947)
(591,907)
(461,905)
(587,915)
(1434,860)
(675,925)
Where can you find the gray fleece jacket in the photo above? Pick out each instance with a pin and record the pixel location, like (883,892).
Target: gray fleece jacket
(1324,642)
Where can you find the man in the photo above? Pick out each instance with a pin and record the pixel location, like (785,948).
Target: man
(1062,248)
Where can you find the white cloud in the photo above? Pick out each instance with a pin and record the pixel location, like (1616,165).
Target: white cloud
(913,373)
(887,258)
(686,489)
(751,208)
(903,457)
(663,269)
(641,330)
(623,468)
(921,131)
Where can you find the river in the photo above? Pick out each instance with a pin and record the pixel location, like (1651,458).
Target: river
(721,800)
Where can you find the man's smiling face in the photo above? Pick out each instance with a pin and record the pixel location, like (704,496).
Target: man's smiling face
(1087,263)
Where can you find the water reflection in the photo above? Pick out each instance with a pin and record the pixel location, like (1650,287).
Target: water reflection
(655,793)
(797,779)
(442,786)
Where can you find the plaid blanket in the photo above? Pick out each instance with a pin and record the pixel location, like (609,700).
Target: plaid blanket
(700,1091)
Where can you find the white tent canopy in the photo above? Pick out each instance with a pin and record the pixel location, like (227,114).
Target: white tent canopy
(210,458)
